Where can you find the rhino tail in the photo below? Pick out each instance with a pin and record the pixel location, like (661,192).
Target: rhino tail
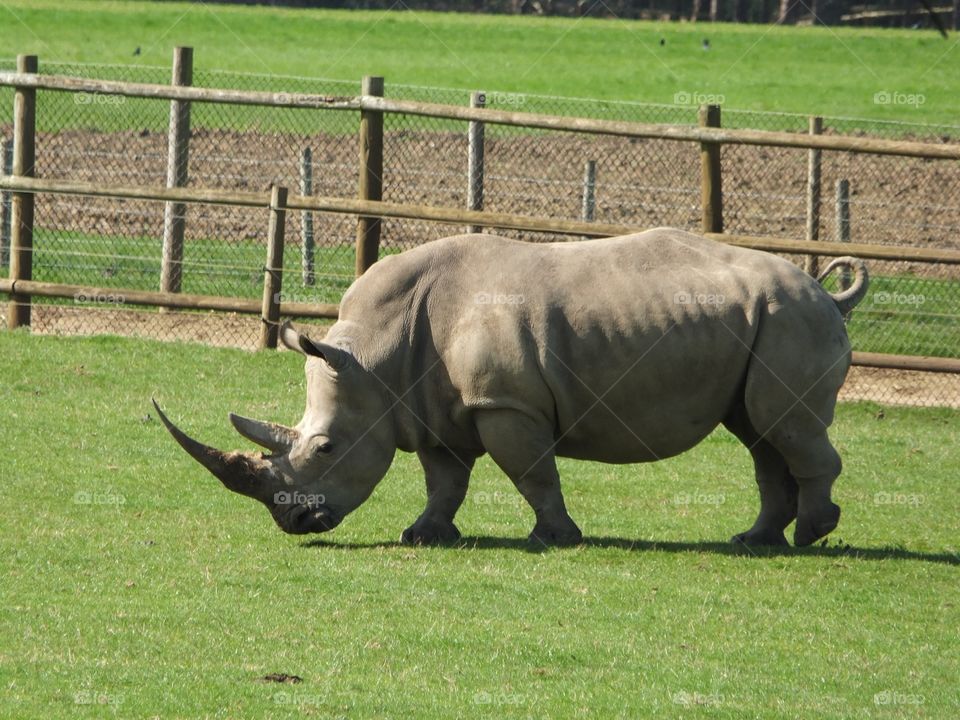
(847,299)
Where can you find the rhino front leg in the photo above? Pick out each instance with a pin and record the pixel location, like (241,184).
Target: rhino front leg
(523,449)
(447,474)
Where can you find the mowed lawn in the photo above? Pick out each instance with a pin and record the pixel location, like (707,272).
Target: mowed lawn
(883,74)
(134,585)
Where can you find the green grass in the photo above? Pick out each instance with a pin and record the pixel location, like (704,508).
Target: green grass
(170,597)
(831,71)
(211,267)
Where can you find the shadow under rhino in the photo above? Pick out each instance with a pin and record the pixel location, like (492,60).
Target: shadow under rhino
(654,546)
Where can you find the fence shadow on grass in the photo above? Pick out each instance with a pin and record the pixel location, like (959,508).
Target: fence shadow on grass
(651,546)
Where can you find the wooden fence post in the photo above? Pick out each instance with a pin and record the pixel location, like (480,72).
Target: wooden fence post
(811,263)
(711,189)
(21,209)
(178,155)
(6,164)
(306,217)
(475,148)
(273,270)
(843,226)
(371,176)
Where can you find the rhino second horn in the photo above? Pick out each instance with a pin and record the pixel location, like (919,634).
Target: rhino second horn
(274,437)
(238,472)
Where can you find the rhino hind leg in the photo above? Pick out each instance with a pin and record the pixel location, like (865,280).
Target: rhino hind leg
(778,488)
(799,363)
(524,450)
(799,435)
(816,464)
(447,475)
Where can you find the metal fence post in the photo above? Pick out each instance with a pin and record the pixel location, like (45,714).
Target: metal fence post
(371,176)
(589,205)
(589,190)
(475,148)
(811,263)
(843,225)
(21,209)
(711,189)
(178,154)
(6,161)
(273,270)
(306,217)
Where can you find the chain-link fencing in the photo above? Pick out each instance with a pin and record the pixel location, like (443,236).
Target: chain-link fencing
(109,243)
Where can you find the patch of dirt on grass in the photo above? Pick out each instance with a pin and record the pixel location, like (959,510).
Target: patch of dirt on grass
(281,678)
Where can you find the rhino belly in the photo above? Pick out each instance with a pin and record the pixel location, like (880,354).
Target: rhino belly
(647,397)
(642,433)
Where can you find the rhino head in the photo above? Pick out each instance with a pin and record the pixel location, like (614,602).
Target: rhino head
(325,467)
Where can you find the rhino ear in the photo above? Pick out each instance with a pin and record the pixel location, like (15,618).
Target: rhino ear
(333,356)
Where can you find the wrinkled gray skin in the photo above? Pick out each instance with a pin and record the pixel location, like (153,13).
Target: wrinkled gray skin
(619,350)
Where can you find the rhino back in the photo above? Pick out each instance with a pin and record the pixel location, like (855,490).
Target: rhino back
(633,348)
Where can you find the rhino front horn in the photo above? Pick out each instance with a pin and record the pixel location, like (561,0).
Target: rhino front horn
(239,472)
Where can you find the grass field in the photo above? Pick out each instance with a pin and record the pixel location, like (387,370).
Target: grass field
(136,586)
(832,71)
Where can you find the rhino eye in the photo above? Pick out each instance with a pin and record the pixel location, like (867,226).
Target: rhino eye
(323,449)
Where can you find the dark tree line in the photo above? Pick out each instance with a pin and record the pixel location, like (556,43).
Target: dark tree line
(888,13)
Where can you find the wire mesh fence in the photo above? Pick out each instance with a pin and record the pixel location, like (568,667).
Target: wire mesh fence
(913,307)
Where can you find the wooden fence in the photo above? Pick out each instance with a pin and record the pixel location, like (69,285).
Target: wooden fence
(369,208)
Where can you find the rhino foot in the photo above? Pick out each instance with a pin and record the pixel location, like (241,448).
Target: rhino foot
(754,538)
(430,532)
(556,535)
(811,529)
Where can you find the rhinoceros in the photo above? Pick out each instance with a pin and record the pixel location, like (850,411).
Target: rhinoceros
(619,350)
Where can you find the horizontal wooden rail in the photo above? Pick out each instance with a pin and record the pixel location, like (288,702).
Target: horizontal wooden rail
(457,216)
(123,296)
(683,133)
(864,251)
(173,92)
(907,362)
(137,192)
(680,133)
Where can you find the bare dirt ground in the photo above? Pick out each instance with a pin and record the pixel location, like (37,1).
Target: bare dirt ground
(902,387)
(894,200)
(891,387)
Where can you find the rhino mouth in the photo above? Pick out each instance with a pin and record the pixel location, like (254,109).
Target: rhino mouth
(304,519)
